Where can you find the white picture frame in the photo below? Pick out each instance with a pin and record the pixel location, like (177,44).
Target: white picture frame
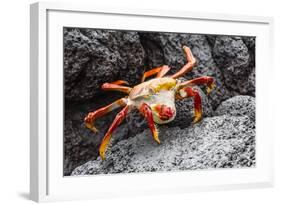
(46,179)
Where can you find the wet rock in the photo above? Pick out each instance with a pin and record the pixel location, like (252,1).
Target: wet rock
(216,142)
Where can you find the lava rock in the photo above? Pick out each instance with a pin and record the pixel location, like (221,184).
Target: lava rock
(93,57)
(217,142)
(233,58)
(238,106)
(166,48)
(81,144)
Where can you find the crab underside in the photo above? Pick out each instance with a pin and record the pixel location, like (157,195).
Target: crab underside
(155,98)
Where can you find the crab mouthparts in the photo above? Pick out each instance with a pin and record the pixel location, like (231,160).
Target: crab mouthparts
(166,112)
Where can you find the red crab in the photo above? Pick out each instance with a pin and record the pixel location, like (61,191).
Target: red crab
(155,98)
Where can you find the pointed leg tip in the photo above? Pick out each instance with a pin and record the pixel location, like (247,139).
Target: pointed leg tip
(210,88)
(197,119)
(95,130)
(209,91)
(102,155)
(91,127)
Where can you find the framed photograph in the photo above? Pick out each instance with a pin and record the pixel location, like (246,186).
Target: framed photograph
(127,102)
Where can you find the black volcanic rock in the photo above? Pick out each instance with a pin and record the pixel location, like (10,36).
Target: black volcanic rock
(93,57)
(239,105)
(166,48)
(216,142)
(235,61)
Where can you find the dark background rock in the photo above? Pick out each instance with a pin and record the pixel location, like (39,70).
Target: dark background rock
(235,61)
(166,48)
(93,56)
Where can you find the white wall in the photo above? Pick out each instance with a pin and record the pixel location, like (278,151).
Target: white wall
(14,107)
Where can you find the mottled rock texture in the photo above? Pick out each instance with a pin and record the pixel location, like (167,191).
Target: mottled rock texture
(239,105)
(216,142)
(93,57)
(235,61)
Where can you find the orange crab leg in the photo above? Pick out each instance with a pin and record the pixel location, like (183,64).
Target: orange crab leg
(110,86)
(106,139)
(120,82)
(92,116)
(204,80)
(160,71)
(191,61)
(192,92)
(147,113)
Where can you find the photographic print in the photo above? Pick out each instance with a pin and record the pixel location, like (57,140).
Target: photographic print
(138,101)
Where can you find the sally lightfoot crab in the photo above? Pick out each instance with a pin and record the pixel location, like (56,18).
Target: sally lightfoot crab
(155,98)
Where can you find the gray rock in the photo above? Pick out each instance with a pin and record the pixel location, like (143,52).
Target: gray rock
(93,57)
(81,144)
(250,42)
(166,48)
(238,106)
(233,58)
(216,142)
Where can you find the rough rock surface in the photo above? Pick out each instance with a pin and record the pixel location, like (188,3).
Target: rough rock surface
(238,106)
(92,57)
(233,58)
(166,48)
(216,142)
(81,144)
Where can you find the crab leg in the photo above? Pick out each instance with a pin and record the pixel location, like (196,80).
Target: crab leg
(120,82)
(92,116)
(116,86)
(204,80)
(191,61)
(192,92)
(147,113)
(160,71)
(117,121)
